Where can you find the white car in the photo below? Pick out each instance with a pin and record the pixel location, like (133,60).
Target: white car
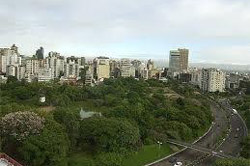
(178,164)
(214,153)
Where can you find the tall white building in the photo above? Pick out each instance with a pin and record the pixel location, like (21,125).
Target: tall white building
(8,57)
(11,70)
(213,80)
(32,66)
(127,69)
(21,72)
(16,71)
(73,66)
(71,70)
(3,63)
(89,78)
(56,63)
(195,76)
(143,71)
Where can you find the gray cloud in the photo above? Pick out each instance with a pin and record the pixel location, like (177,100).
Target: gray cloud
(76,25)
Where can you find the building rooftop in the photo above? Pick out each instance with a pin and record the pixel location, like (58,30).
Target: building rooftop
(3,163)
(5,160)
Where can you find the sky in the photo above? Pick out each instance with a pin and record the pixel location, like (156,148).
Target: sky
(215,31)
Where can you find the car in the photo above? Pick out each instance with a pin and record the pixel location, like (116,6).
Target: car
(178,164)
(214,153)
(237,129)
(236,136)
(221,151)
(235,111)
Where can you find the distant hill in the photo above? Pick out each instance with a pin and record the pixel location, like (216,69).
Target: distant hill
(160,63)
(228,67)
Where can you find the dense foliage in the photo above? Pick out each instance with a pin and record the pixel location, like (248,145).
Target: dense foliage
(245,85)
(246,148)
(48,148)
(134,113)
(109,134)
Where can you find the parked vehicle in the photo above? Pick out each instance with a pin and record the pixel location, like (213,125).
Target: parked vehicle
(234,111)
(178,164)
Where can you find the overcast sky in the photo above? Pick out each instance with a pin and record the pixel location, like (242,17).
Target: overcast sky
(215,31)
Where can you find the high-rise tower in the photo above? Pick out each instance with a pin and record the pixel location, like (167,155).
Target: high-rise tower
(178,60)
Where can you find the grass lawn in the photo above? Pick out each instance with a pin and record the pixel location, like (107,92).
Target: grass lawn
(147,154)
(78,159)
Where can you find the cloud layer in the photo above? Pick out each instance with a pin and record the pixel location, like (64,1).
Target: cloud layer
(214,30)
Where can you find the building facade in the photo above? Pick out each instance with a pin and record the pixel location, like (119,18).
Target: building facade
(213,80)
(178,60)
(101,67)
(195,76)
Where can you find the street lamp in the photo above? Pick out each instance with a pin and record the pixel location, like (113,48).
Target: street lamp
(159,143)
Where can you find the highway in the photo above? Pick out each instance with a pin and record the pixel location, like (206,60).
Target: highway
(199,148)
(223,136)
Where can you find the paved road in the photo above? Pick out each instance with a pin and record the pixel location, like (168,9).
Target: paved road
(199,148)
(231,145)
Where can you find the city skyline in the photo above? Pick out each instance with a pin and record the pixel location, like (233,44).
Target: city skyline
(217,31)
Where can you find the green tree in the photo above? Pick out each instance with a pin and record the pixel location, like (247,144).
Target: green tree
(173,129)
(82,74)
(109,134)
(246,148)
(70,119)
(135,113)
(11,79)
(48,148)
(180,103)
(14,107)
(23,93)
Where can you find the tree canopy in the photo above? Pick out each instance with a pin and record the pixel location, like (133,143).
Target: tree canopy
(134,113)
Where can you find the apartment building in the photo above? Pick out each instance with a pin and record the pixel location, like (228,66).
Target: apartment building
(213,80)
(101,67)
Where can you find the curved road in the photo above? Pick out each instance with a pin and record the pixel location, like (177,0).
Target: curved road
(224,136)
